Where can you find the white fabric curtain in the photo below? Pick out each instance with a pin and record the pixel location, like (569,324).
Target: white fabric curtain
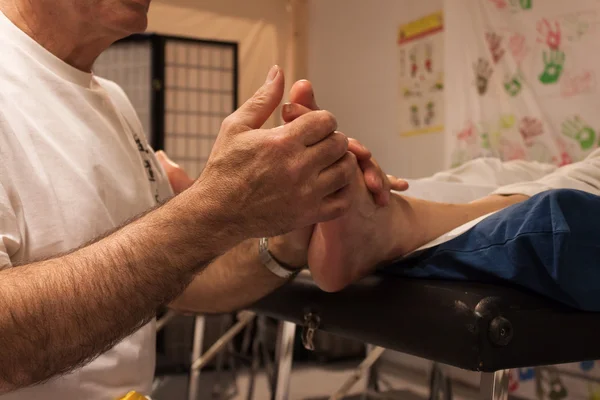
(521,79)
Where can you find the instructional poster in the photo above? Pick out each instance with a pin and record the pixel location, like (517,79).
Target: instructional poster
(421,78)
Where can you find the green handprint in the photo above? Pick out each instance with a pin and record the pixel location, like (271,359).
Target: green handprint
(523,4)
(513,85)
(485,141)
(553,66)
(580,131)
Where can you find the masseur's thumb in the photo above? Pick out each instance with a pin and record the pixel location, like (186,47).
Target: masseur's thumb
(257,110)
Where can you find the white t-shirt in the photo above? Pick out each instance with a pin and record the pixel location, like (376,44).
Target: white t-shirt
(74,164)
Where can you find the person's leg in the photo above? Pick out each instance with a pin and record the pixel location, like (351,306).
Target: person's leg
(349,248)
(548,244)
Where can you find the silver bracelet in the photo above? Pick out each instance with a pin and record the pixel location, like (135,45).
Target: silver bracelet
(272,264)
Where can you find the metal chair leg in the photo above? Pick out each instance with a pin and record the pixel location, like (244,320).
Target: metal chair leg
(284,355)
(494,386)
(199,326)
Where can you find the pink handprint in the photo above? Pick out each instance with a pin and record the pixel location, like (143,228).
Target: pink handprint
(550,37)
(467,134)
(564,157)
(512,151)
(518,47)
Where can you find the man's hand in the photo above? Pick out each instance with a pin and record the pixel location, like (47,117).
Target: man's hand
(271,181)
(178,178)
(302,100)
(292,248)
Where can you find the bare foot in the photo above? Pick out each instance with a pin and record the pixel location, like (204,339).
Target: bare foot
(349,248)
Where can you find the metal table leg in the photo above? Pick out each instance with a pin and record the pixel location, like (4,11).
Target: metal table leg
(284,355)
(494,386)
(199,326)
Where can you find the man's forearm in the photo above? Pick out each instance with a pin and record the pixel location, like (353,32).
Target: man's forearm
(57,314)
(237,279)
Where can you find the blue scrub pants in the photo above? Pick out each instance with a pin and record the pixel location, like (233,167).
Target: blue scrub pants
(549,244)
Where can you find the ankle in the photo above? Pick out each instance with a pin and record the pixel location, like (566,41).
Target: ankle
(398,231)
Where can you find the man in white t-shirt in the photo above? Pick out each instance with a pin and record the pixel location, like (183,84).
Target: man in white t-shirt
(88,221)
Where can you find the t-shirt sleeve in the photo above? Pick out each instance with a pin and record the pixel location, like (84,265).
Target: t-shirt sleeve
(583,175)
(10,237)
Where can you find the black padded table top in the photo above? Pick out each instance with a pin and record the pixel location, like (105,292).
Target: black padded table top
(479,327)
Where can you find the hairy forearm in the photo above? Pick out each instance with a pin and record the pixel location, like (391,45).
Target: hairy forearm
(417,222)
(235,280)
(58,314)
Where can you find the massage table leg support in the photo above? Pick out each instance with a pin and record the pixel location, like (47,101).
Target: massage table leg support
(199,326)
(494,386)
(284,354)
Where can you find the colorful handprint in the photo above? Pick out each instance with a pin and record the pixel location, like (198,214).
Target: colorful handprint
(500,4)
(494,42)
(483,73)
(526,374)
(529,128)
(467,134)
(513,85)
(553,67)
(517,44)
(513,382)
(549,385)
(549,36)
(511,150)
(525,4)
(581,132)
(587,365)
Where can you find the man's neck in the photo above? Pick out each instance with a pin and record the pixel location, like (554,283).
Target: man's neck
(53,29)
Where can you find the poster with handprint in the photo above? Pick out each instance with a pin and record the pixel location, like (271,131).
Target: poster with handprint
(532,60)
(421,76)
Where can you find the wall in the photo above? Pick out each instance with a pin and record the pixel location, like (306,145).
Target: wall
(353,63)
(263,29)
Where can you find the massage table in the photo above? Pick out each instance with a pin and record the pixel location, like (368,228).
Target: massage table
(472,326)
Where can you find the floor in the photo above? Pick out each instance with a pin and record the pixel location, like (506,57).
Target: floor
(309,382)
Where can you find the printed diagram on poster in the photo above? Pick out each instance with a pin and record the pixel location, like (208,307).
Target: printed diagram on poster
(421,76)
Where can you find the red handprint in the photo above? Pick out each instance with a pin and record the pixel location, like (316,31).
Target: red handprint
(500,4)
(513,382)
(550,37)
(495,45)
